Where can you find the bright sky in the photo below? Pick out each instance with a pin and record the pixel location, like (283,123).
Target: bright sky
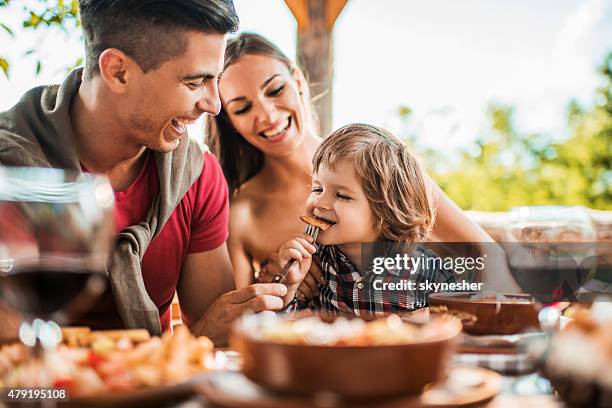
(446,59)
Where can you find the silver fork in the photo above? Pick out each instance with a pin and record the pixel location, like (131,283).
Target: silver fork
(308,230)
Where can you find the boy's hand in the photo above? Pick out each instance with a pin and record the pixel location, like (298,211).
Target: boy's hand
(300,248)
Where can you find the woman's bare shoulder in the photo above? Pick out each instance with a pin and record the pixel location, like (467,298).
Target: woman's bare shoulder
(262,218)
(249,226)
(240,208)
(245,196)
(243,206)
(253,193)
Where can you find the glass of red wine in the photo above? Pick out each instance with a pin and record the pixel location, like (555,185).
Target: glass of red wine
(56,232)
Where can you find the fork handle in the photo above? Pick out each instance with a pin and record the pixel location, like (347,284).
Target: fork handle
(280,277)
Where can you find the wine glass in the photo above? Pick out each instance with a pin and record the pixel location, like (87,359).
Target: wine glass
(552,260)
(56,232)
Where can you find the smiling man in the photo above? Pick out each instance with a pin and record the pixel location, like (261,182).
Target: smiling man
(151,69)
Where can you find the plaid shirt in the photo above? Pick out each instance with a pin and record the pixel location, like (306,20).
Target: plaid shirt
(348,291)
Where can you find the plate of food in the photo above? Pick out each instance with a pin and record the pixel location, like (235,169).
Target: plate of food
(348,357)
(488,313)
(110,368)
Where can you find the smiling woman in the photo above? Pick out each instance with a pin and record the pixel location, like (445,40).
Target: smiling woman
(264,137)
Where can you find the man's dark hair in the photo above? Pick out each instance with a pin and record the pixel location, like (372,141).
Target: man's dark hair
(149,31)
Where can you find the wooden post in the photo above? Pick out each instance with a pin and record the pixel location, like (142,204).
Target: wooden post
(315,21)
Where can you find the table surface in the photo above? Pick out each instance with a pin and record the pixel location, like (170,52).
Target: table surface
(527,391)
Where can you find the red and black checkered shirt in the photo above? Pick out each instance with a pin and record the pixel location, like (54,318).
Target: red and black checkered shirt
(349,291)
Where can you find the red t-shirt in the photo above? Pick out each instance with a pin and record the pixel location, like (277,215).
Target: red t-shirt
(199,223)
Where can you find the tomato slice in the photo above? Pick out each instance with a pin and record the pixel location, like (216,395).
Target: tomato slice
(65,384)
(94,359)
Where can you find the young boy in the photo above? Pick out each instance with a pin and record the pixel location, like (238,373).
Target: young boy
(368,186)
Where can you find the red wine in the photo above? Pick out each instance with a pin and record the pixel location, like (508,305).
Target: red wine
(42,292)
(552,284)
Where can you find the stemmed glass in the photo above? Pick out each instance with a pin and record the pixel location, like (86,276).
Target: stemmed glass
(555,259)
(56,231)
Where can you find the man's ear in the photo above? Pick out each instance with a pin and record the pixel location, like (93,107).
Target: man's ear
(116,69)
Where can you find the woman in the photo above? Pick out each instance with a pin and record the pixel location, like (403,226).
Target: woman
(265,139)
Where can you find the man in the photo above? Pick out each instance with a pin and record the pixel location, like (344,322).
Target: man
(152,68)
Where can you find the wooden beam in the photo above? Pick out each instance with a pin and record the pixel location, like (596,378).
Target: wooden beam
(299,9)
(333,10)
(315,21)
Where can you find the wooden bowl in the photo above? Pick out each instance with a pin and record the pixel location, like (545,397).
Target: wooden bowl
(353,372)
(488,316)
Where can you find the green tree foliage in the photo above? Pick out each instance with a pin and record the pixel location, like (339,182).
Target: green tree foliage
(38,15)
(506,168)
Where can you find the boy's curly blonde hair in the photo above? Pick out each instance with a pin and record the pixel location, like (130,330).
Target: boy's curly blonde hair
(390,176)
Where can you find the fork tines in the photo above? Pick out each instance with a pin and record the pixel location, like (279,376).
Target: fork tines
(312,231)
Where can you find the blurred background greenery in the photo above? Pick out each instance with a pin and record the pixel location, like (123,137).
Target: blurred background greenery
(501,168)
(41,14)
(504,168)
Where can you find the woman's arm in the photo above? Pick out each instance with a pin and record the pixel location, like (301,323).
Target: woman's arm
(242,264)
(451,223)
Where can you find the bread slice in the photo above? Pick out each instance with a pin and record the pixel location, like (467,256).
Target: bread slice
(322,225)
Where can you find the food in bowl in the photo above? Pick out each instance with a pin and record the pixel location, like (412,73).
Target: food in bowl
(344,332)
(351,358)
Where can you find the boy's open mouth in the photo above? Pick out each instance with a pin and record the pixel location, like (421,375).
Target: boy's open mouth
(326,220)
